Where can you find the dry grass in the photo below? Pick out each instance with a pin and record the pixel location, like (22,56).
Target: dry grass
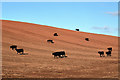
(83,61)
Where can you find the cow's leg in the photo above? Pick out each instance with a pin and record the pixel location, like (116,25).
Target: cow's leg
(109,54)
(55,56)
(22,52)
(103,55)
(62,56)
(59,56)
(100,55)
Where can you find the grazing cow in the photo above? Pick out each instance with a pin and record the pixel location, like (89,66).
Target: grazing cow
(110,49)
(55,34)
(60,54)
(50,41)
(87,39)
(108,53)
(77,29)
(13,47)
(101,53)
(19,51)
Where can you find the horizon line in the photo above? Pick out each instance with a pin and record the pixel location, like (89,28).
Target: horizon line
(58,27)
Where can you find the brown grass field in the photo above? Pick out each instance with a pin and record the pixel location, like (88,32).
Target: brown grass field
(83,60)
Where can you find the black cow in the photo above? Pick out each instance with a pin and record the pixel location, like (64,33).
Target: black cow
(50,41)
(13,47)
(110,49)
(55,34)
(101,53)
(60,54)
(87,39)
(108,53)
(19,51)
(77,29)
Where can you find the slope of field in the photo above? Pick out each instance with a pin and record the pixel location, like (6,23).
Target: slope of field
(83,61)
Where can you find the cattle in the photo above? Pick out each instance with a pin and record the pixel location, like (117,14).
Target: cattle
(77,29)
(19,51)
(108,53)
(110,49)
(51,41)
(13,47)
(59,54)
(101,53)
(87,39)
(55,34)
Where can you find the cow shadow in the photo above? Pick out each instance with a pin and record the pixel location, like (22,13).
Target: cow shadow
(24,54)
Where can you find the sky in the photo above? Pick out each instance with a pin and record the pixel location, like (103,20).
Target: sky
(93,17)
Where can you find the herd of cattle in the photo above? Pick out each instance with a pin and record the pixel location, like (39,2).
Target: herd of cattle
(108,52)
(55,34)
(61,54)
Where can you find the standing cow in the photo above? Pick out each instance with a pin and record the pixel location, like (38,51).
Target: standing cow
(55,34)
(51,41)
(19,51)
(87,39)
(108,53)
(77,29)
(101,53)
(60,54)
(110,49)
(13,47)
